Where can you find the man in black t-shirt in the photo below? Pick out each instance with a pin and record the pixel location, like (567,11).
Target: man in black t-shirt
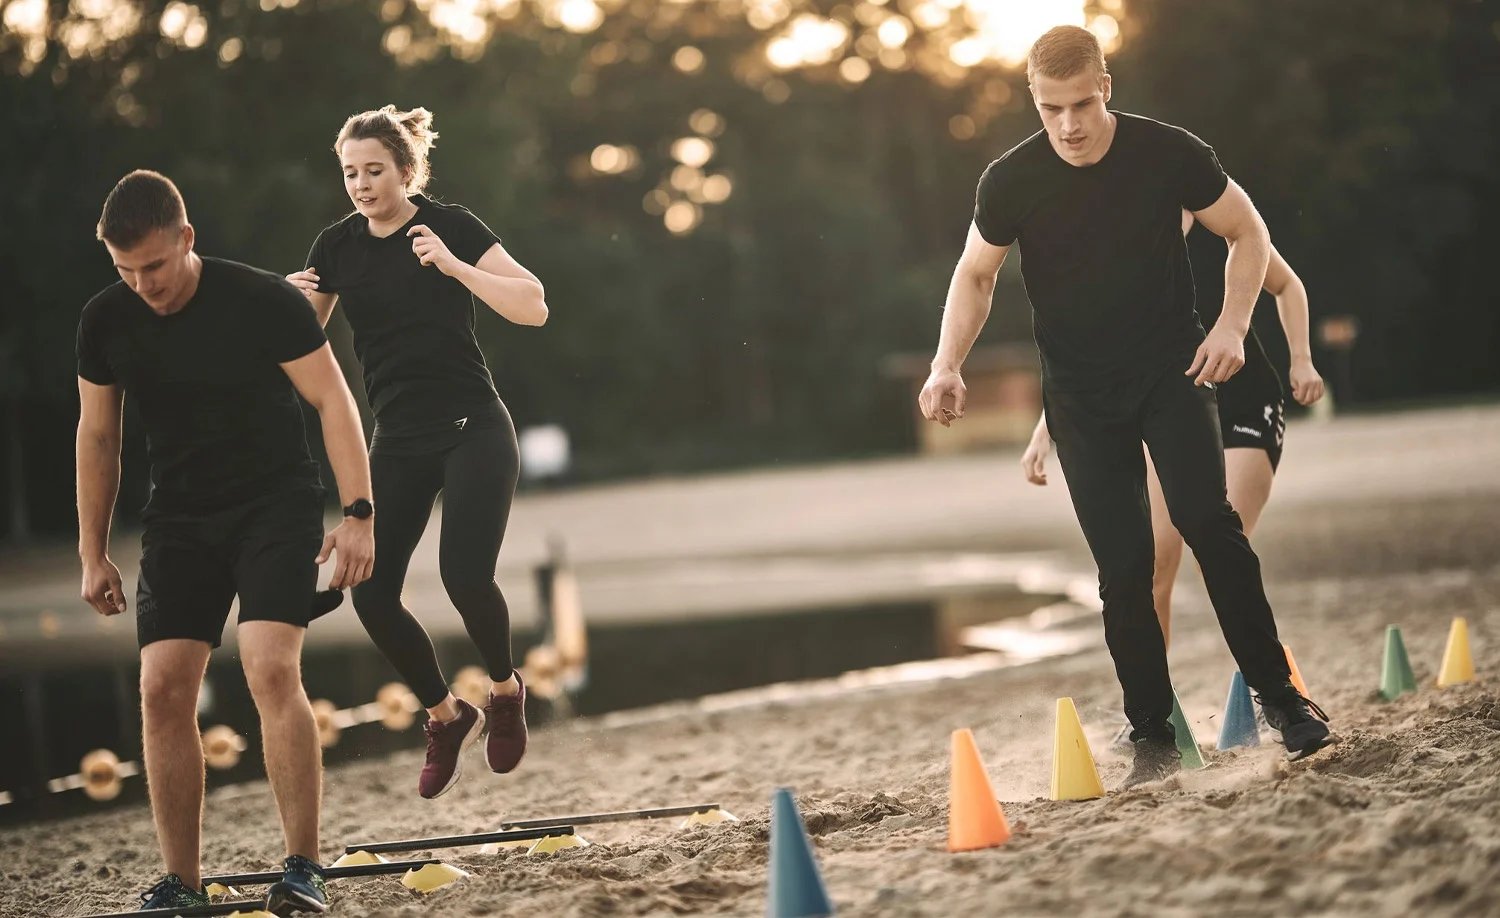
(214,355)
(1094,202)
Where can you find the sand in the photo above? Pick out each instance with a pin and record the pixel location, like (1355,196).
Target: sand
(1402,817)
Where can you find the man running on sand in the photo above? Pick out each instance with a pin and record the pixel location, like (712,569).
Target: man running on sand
(214,354)
(1095,202)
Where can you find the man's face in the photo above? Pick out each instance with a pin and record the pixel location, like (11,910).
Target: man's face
(159,267)
(1073,112)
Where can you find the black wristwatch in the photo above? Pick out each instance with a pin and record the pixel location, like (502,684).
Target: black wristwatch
(361,509)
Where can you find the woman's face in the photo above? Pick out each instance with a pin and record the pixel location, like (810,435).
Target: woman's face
(374,184)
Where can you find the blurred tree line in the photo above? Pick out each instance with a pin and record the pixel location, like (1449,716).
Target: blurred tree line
(727,301)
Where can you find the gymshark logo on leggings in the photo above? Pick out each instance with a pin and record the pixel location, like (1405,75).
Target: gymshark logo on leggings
(460,423)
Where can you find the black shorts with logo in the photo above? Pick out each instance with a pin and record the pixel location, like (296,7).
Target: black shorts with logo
(1251,406)
(193,566)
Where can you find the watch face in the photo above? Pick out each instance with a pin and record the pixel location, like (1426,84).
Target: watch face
(360,509)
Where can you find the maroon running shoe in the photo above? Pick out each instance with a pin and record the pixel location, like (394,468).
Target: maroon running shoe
(445,746)
(506,720)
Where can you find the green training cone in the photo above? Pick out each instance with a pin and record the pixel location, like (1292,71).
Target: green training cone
(1187,744)
(1396,677)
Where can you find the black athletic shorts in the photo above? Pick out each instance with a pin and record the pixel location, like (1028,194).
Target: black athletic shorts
(1247,425)
(193,566)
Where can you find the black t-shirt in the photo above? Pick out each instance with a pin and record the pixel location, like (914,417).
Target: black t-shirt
(413,325)
(1102,254)
(223,423)
(1257,384)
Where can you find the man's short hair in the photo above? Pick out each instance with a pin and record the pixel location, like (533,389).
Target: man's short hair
(1063,52)
(140,203)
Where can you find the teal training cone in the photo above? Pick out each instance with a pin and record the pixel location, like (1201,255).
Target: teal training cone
(1396,677)
(1239,727)
(796,888)
(1187,744)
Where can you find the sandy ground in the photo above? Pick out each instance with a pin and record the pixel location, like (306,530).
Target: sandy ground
(1403,816)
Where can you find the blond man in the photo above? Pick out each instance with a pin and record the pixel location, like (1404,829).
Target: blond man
(1094,201)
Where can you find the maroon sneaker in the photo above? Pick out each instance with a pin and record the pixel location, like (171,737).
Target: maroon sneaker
(506,720)
(445,745)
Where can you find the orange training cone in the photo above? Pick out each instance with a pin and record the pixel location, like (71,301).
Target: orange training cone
(1074,776)
(1458,664)
(975,819)
(1291,664)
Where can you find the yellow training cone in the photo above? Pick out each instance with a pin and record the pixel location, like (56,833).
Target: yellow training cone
(359,859)
(554,843)
(219,889)
(257,913)
(432,877)
(1458,665)
(1074,776)
(708,818)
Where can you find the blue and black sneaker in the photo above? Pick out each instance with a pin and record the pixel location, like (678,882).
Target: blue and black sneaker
(302,888)
(171,892)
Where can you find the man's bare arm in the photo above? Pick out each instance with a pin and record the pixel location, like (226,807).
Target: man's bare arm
(964,314)
(98,467)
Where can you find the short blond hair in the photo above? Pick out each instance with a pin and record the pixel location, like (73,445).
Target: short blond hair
(1063,52)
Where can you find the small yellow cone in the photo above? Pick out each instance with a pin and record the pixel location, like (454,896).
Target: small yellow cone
(708,818)
(219,889)
(554,843)
(432,877)
(359,859)
(1458,665)
(257,913)
(1074,776)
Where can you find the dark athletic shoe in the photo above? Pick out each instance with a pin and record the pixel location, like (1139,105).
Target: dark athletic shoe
(302,888)
(445,746)
(1301,723)
(505,718)
(171,892)
(1155,759)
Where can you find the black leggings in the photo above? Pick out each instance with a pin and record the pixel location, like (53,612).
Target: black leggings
(476,471)
(1099,436)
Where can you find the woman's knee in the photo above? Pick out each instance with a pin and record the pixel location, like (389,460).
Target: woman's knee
(468,587)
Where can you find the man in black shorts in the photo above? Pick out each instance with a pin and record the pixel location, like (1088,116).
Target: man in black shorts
(1095,202)
(214,354)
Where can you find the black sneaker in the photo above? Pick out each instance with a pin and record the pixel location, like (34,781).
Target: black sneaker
(171,892)
(1155,759)
(1301,723)
(301,889)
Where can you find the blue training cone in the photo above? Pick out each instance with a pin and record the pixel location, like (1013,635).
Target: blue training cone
(796,888)
(1239,727)
(1187,744)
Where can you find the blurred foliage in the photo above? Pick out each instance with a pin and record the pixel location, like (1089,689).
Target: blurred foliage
(754,332)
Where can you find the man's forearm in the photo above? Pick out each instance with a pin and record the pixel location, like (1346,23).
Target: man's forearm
(98,462)
(1244,273)
(964,315)
(344,440)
